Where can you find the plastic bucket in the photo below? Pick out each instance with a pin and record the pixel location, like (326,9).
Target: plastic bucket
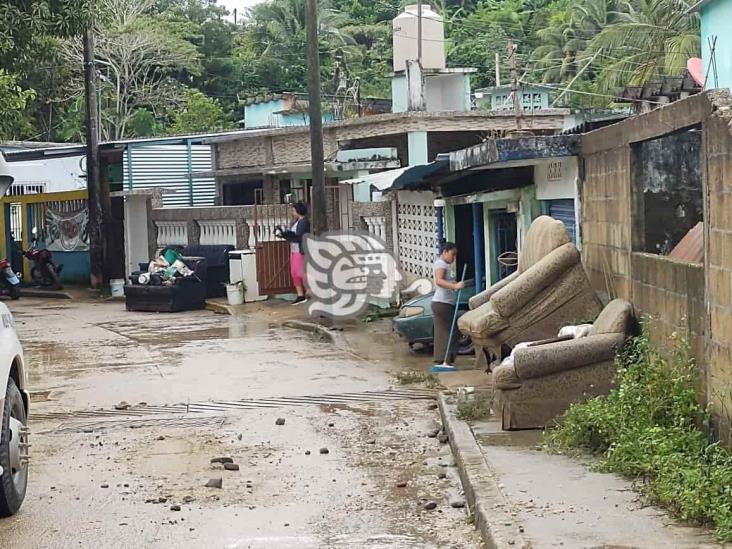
(235,294)
(117,286)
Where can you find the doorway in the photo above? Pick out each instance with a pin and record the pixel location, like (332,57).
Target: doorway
(505,234)
(464,238)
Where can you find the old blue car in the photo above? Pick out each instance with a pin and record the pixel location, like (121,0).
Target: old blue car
(414,321)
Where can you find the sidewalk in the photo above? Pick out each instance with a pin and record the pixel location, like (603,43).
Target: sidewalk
(524,497)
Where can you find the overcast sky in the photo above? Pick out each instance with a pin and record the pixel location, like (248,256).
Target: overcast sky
(240,5)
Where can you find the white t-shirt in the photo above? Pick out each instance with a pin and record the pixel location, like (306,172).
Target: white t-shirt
(444,295)
(294,246)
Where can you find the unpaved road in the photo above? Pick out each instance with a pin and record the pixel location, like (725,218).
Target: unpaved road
(202,386)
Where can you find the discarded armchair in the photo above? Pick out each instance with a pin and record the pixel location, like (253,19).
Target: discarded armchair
(549,290)
(543,379)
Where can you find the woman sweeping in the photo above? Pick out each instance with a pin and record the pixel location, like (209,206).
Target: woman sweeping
(443,301)
(300,227)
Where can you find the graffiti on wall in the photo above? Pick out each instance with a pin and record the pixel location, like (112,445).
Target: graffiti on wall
(66,231)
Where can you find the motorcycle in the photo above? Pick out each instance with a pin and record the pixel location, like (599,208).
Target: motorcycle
(44,271)
(9,280)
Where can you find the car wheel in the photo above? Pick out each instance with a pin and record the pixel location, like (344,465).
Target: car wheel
(13,452)
(465,345)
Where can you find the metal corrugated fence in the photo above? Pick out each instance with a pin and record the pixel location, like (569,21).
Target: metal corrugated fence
(167,167)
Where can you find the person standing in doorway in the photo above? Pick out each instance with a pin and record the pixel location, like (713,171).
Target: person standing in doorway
(444,301)
(299,228)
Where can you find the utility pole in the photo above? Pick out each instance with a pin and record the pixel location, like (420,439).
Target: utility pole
(318,206)
(514,84)
(93,181)
(498,69)
(419,32)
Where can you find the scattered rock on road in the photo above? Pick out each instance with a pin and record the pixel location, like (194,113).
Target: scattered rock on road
(441,475)
(222,460)
(443,438)
(231,466)
(122,406)
(457,503)
(401,484)
(188,499)
(324,451)
(307,452)
(433,433)
(215,483)
(105,485)
(432,406)
(430,505)
(175,507)
(280,421)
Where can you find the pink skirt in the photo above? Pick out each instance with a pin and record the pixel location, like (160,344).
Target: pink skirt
(297,265)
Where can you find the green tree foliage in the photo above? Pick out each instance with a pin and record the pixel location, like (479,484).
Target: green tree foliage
(198,114)
(597,46)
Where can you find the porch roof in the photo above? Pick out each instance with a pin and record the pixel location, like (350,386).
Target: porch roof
(492,152)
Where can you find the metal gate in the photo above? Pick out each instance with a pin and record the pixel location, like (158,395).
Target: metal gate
(273,253)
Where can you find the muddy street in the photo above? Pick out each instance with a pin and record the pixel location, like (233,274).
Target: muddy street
(325,447)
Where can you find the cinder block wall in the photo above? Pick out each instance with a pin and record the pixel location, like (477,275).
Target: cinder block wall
(678,297)
(718,238)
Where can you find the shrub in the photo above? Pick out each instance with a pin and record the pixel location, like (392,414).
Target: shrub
(651,428)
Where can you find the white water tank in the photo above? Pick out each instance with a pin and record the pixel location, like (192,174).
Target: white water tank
(405,38)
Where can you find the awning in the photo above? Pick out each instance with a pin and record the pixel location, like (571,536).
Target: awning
(381,180)
(415,177)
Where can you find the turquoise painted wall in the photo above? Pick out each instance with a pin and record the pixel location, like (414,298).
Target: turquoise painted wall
(259,115)
(399,94)
(262,115)
(716,20)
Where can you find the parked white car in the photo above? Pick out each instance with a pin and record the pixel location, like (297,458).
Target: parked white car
(14,401)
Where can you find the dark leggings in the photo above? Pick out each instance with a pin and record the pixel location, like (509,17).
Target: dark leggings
(442,317)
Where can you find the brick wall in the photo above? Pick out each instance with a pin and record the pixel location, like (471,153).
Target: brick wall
(676,296)
(284,146)
(718,236)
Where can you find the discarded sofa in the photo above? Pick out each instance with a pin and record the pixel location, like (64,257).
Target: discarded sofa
(543,379)
(217,265)
(549,290)
(181,294)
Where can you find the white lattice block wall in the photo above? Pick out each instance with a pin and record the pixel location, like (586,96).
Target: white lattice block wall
(172,233)
(417,240)
(218,232)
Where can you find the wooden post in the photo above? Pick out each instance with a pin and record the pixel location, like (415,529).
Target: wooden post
(96,242)
(319,213)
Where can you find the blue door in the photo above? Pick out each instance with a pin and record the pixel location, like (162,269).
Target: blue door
(504,229)
(563,210)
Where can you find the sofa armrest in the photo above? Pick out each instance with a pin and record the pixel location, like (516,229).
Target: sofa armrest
(509,299)
(542,360)
(484,297)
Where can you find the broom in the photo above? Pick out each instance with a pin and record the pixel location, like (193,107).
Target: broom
(445,367)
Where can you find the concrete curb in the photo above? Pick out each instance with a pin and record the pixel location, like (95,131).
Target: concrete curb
(312,327)
(50,294)
(219,308)
(491,510)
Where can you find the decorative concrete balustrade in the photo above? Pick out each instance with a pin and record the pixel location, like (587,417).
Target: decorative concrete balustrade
(238,226)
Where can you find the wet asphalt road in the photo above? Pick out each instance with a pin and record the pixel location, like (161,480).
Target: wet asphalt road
(102,477)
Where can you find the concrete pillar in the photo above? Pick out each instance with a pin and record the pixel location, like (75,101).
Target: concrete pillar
(417,148)
(440,222)
(136,231)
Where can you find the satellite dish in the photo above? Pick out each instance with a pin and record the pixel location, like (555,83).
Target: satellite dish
(695,66)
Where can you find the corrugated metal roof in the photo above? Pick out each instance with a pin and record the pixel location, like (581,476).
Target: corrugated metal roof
(166,167)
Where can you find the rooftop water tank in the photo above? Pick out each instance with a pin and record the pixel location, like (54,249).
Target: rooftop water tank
(405,38)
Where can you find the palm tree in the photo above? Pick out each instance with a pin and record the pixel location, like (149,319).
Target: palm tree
(650,39)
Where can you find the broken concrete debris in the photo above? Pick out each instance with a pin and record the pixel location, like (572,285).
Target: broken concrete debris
(215,483)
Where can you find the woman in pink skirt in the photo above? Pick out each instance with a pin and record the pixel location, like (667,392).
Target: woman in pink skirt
(294,236)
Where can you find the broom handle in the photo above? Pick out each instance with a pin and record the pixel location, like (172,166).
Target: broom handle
(454,316)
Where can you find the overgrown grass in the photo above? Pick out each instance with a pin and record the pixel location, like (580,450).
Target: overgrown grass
(651,428)
(478,407)
(411,377)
